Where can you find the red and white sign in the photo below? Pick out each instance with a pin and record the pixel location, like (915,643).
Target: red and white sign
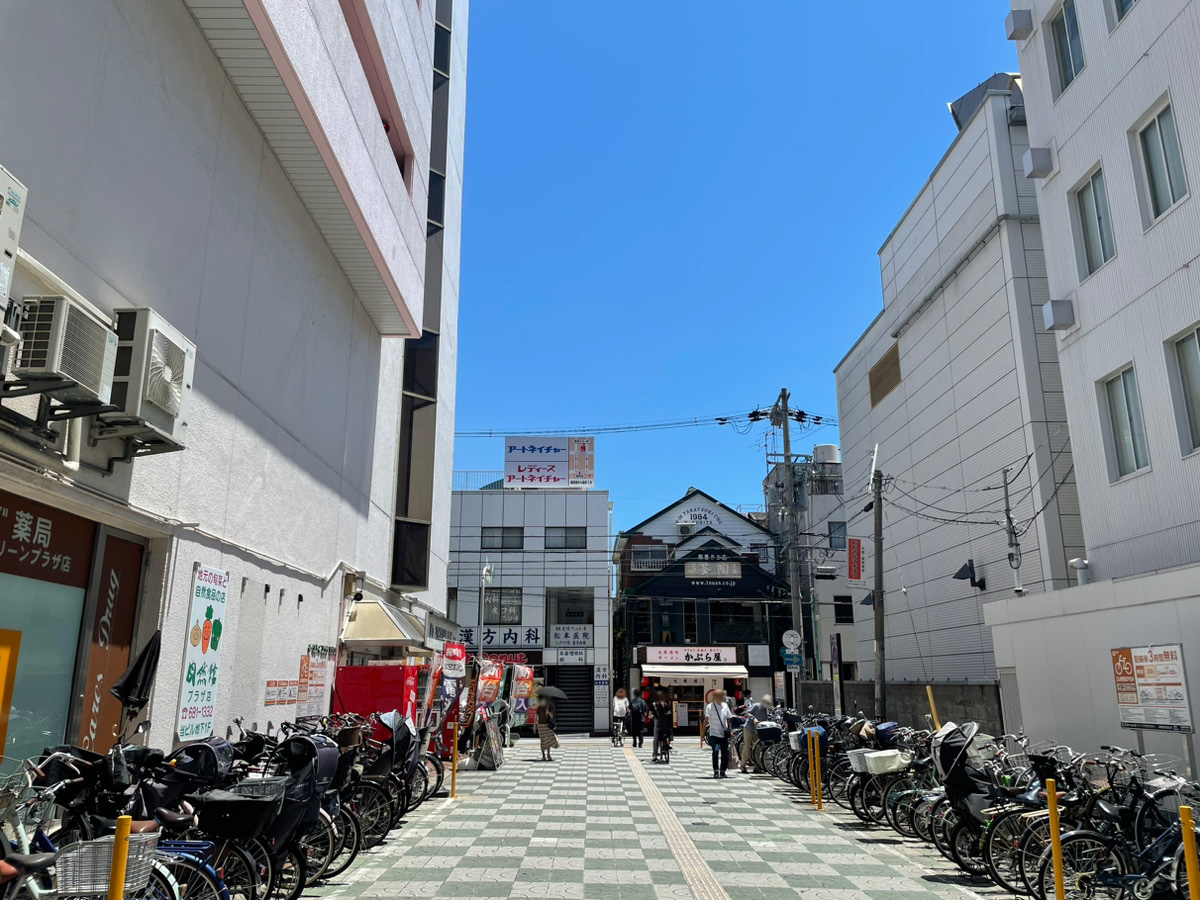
(455,662)
(854,563)
(691,654)
(1152,688)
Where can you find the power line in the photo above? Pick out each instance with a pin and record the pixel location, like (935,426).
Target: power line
(1028,523)
(944,521)
(741,422)
(952,512)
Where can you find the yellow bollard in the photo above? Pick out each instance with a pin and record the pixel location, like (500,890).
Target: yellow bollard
(812,778)
(1055,838)
(1189,852)
(937,723)
(454,764)
(820,776)
(120,858)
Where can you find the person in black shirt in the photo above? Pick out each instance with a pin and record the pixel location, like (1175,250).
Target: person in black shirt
(637,720)
(660,709)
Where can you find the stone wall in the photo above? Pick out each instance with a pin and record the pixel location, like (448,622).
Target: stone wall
(908,704)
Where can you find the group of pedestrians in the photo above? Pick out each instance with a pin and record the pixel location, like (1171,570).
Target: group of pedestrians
(631,714)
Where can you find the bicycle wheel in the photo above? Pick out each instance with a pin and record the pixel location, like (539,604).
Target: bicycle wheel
(798,771)
(350,840)
(419,786)
(1000,850)
(264,864)
(1033,843)
(317,842)
(943,821)
(437,772)
(162,886)
(872,800)
(374,810)
(196,880)
(1181,875)
(239,870)
(837,780)
(966,844)
(768,757)
(1086,858)
(922,819)
(1156,816)
(290,876)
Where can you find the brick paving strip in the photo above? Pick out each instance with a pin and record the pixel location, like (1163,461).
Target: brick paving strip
(701,879)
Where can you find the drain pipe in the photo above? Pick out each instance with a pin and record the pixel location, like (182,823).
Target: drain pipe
(74,444)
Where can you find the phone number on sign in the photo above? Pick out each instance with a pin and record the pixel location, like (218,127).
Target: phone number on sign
(196,712)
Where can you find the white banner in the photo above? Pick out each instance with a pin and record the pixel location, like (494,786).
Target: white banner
(537,462)
(600,691)
(571,636)
(206,631)
(455,663)
(691,654)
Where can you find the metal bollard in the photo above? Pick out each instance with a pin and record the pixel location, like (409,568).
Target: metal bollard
(1055,838)
(812,789)
(454,765)
(120,859)
(1189,852)
(816,741)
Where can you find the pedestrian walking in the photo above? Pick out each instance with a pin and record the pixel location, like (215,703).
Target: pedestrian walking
(545,729)
(758,712)
(717,722)
(664,725)
(620,717)
(637,720)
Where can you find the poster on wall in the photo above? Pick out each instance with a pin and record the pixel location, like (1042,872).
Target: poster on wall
(1151,688)
(202,653)
(780,686)
(600,688)
(312,688)
(854,564)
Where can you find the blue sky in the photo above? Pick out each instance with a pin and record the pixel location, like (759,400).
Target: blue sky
(673,209)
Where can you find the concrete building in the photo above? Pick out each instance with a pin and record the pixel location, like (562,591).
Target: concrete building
(957,381)
(1113,97)
(822,516)
(281,184)
(540,559)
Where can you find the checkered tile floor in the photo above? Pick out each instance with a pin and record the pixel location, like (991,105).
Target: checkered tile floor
(580,828)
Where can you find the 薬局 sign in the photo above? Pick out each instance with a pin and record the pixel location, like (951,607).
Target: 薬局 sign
(691,654)
(571,636)
(854,563)
(454,665)
(1152,688)
(202,653)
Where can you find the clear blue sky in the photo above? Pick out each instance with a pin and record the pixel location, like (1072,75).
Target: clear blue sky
(674,209)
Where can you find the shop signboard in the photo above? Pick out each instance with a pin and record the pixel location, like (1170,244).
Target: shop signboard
(206,622)
(758,654)
(502,637)
(691,655)
(520,658)
(1152,689)
(780,686)
(582,462)
(571,636)
(854,564)
(537,462)
(600,688)
(490,677)
(835,667)
(312,688)
(572,657)
(112,639)
(455,663)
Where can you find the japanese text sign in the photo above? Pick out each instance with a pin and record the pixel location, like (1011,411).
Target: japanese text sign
(691,654)
(500,637)
(537,462)
(571,636)
(854,563)
(455,663)
(43,543)
(1152,689)
(202,653)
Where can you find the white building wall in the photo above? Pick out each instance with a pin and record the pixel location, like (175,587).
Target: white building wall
(151,185)
(533,568)
(976,395)
(1131,309)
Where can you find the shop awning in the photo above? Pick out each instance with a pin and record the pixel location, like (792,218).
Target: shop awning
(377,624)
(662,671)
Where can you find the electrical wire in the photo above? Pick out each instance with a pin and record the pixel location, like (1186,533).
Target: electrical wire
(944,521)
(952,512)
(741,422)
(1028,523)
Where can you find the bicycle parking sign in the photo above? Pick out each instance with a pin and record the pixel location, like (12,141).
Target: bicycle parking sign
(1152,688)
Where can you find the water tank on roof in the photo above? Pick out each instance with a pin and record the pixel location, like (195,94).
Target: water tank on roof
(827,453)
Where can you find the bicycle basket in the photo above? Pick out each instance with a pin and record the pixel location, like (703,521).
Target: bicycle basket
(270,787)
(85,868)
(225,814)
(858,760)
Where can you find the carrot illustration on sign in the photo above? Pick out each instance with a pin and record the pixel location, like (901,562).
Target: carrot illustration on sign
(208,627)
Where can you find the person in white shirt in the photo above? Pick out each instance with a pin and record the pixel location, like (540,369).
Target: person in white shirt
(620,713)
(717,724)
(759,712)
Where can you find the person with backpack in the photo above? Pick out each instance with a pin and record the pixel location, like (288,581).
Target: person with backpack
(664,725)
(637,720)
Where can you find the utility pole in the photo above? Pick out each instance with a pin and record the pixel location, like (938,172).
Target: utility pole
(1014,545)
(880,670)
(793,530)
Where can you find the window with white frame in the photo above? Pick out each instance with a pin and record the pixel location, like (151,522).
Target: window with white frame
(648,557)
(568,538)
(1162,163)
(502,606)
(837,535)
(1067,45)
(1123,7)
(1129,449)
(502,538)
(1095,223)
(1187,353)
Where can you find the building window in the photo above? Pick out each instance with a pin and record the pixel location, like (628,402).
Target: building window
(837,535)
(691,628)
(648,558)
(885,375)
(502,606)
(1162,160)
(571,605)
(1125,417)
(410,554)
(1187,352)
(1094,222)
(1123,8)
(452,604)
(1068,46)
(572,538)
(503,539)
(843,610)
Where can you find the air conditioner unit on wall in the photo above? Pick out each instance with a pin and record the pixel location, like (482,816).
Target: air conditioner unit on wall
(63,339)
(153,380)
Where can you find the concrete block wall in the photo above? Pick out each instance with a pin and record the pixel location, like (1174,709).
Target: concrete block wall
(908,704)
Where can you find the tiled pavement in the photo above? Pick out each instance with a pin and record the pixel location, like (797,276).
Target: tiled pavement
(581,828)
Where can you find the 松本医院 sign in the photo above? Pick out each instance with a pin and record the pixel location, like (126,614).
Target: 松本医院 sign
(549,462)
(1152,691)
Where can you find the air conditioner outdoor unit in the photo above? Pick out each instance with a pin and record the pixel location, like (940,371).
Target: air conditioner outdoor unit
(153,380)
(61,338)
(686,528)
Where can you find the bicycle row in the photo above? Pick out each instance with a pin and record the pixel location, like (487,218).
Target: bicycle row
(257,818)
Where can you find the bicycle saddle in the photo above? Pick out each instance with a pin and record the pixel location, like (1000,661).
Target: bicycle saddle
(174,822)
(1106,810)
(105,826)
(28,863)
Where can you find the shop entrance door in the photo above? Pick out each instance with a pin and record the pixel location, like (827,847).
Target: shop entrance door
(573,715)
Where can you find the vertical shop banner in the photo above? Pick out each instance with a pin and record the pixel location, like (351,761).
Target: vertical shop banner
(600,687)
(780,686)
(490,677)
(854,563)
(408,699)
(466,703)
(455,663)
(522,692)
(112,640)
(202,654)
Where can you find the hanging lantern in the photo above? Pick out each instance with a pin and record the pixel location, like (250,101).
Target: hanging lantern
(645,682)
(737,695)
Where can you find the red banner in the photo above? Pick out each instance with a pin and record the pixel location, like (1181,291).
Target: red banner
(112,640)
(489,682)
